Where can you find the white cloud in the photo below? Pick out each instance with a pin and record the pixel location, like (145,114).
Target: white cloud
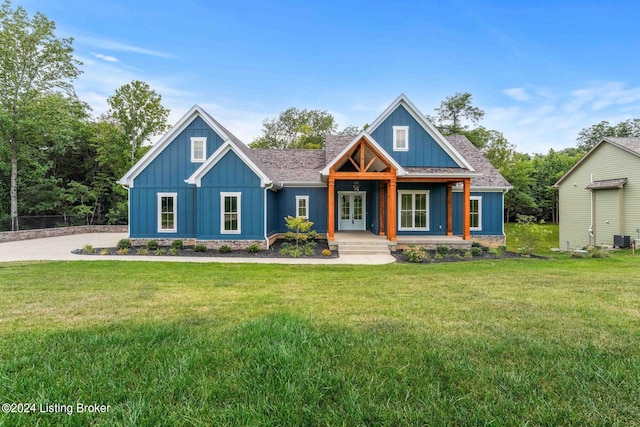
(517,93)
(113,45)
(106,57)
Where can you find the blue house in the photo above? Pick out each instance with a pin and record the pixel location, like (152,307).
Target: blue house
(399,178)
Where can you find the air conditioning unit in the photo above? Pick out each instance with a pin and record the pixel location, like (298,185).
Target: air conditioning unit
(621,241)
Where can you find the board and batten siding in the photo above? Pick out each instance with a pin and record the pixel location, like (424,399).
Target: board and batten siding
(605,162)
(491,214)
(285,205)
(230,174)
(423,151)
(166,174)
(437,209)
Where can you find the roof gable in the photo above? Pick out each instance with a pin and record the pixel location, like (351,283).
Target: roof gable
(369,139)
(403,103)
(195,112)
(196,177)
(629,145)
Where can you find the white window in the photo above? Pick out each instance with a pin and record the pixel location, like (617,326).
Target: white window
(198,149)
(230,213)
(167,212)
(302,206)
(475,213)
(413,208)
(401,138)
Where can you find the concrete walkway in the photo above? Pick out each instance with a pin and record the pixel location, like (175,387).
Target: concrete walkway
(59,249)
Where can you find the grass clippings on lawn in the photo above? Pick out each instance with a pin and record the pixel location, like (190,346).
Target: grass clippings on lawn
(508,342)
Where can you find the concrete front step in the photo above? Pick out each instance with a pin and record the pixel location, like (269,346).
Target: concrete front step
(367,248)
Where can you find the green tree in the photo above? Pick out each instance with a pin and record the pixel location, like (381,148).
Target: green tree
(138,111)
(296,128)
(589,137)
(548,169)
(34,63)
(453,111)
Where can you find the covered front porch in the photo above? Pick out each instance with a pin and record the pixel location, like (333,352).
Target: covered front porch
(369,191)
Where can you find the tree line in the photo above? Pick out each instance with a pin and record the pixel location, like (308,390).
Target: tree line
(56,159)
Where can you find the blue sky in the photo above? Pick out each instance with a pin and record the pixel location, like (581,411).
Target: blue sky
(540,70)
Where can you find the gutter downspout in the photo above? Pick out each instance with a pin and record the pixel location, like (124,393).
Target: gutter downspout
(503,233)
(591,214)
(126,187)
(266,238)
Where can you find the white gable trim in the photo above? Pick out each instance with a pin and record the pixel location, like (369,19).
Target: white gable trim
(162,143)
(198,174)
(426,125)
(364,134)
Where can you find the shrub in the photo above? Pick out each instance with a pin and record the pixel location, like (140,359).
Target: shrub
(124,244)
(413,254)
(173,251)
(598,252)
(253,248)
(177,245)
(105,251)
(224,249)
(88,249)
(470,254)
(529,234)
(200,248)
(159,251)
(475,251)
(442,250)
(143,251)
(326,252)
(123,251)
(576,254)
(152,245)
(476,245)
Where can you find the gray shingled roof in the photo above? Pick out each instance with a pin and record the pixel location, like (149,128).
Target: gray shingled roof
(490,176)
(292,165)
(605,184)
(305,165)
(631,144)
(334,144)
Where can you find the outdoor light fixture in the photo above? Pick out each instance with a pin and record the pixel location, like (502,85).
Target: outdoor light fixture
(356,186)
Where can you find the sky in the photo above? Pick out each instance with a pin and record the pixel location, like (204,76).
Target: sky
(540,70)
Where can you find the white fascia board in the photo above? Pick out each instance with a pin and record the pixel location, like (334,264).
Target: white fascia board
(444,175)
(484,189)
(365,134)
(164,142)
(196,176)
(426,125)
(303,184)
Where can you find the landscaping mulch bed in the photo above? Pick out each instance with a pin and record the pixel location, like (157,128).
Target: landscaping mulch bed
(272,252)
(457,255)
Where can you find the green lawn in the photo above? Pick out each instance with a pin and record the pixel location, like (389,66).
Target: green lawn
(508,342)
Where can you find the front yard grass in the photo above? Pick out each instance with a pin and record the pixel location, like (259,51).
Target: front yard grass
(507,342)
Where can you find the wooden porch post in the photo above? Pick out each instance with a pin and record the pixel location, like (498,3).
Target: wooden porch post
(391,209)
(449,209)
(331,208)
(466,211)
(381,209)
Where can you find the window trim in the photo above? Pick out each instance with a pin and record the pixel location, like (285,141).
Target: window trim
(413,210)
(306,199)
(222,212)
(479,227)
(406,138)
(159,198)
(195,139)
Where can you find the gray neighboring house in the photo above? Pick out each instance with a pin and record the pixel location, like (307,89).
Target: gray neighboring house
(600,195)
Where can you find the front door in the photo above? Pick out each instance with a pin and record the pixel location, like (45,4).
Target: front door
(351,214)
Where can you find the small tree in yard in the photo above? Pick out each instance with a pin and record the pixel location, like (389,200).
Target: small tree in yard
(300,231)
(529,234)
